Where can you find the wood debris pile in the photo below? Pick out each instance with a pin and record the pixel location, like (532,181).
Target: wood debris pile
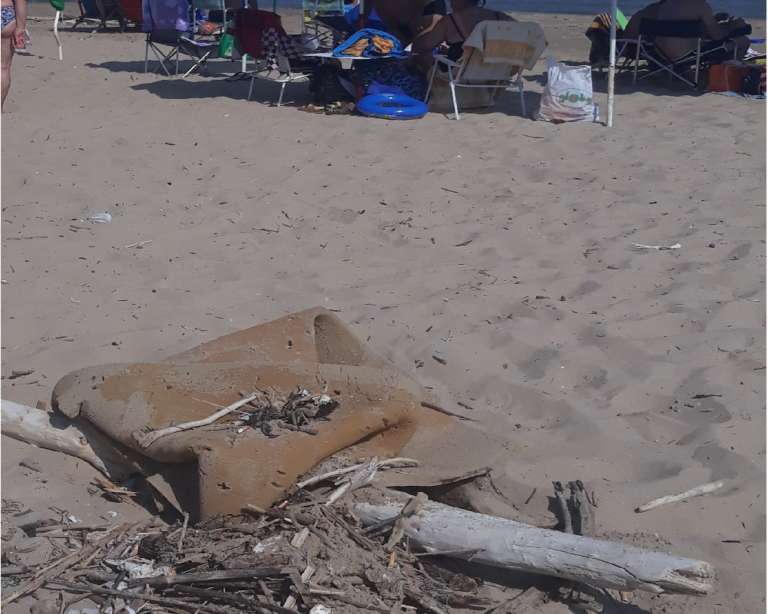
(301,555)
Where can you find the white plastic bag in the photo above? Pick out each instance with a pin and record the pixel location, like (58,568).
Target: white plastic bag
(567,96)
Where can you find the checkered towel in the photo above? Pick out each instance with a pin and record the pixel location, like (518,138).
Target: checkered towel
(280,49)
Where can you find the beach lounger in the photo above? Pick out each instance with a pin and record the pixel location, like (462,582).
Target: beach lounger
(657,61)
(260,34)
(495,55)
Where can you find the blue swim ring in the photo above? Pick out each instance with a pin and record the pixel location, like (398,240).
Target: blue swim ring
(391,106)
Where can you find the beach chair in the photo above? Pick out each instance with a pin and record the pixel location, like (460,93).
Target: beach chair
(495,55)
(657,61)
(111,10)
(203,48)
(164,24)
(260,35)
(164,44)
(327,22)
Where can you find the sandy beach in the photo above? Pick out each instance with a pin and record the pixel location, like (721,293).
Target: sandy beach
(501,244)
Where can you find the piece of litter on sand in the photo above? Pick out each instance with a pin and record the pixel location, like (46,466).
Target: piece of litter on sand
(656,247)
(138,244)
(100,218)
(693,492)
(15,374)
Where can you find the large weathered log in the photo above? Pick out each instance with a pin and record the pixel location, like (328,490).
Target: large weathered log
(513,545)
(32,425)
(75,438)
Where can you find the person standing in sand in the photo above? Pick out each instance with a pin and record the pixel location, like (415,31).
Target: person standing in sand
(14,15)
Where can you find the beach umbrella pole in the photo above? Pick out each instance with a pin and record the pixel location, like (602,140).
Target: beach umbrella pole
(612,62)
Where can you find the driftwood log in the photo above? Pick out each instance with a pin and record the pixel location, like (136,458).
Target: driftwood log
(32,425)
(75,438)
(516,546)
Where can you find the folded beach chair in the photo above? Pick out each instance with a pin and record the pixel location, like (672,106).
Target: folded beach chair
(657,61)
(165,23)
(495,55)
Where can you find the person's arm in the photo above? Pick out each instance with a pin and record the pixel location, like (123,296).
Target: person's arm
(430,37)
(21,24)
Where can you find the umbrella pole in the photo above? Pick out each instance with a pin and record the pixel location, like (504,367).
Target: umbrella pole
(612,63)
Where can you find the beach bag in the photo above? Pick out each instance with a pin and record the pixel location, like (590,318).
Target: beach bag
(226,45)
(567,95)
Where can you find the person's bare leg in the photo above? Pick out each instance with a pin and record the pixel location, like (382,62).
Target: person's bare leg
(7,56)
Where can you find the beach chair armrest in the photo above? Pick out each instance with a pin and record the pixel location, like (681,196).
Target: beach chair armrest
(441,59)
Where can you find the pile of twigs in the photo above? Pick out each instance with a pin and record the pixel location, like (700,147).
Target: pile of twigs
(298,556)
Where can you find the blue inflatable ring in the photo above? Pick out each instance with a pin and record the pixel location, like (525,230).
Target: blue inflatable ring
(391,106)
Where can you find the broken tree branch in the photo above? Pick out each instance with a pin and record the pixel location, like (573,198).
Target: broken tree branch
(147,439)
(384,464)
(33,426)
(513,545)
(693,492)
(208,576)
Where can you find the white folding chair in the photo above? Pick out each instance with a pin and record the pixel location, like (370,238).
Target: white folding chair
(285,77)
(495,55)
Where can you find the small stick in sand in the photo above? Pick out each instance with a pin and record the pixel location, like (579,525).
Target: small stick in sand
(183,532)
(147,439)
(442,410)
(693,492)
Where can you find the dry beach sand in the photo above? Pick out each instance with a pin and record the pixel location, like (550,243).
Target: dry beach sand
(500,244)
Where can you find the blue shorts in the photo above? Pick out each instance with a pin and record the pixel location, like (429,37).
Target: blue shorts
(9,15)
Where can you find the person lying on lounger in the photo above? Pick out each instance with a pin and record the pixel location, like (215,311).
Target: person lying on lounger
(450,31)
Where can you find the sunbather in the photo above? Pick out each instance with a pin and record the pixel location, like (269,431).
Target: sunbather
(715,29)
(450,31)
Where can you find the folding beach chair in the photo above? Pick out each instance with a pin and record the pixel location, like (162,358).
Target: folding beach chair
(657,61)
(495,55)
(279,55)
(164,23)
(325,22)
(157,40)
(111,10)
(203,48)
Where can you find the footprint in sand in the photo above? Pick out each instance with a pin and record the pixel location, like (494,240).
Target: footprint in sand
(536,365)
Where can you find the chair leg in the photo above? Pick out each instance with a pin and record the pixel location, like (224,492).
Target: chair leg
(282,91)
(146,56)
(638,45)
(250,89)
(453,93)
(698,61)
(431,82)
(520,86)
